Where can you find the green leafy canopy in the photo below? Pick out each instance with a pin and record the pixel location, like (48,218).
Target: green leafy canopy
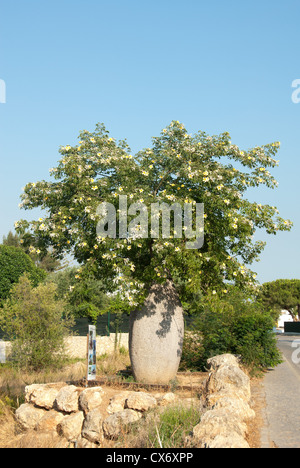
(179,167)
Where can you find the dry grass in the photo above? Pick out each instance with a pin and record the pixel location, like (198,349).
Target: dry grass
(110,365)
(14,381)
(7,423)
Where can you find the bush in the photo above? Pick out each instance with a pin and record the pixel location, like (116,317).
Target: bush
(235,325)
(32,319)
(13,264)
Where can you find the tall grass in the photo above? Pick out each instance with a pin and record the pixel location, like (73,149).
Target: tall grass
(163,428)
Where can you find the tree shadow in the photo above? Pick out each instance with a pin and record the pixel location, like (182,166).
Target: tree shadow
(162,299)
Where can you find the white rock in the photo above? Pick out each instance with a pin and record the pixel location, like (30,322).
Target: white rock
(67,399)
(232,403)
(43,395)
(230,379)
(228,442)
(216,362)
(90,399)
(117,402)
(92,427)
(71,426)
(218,422)
(28,416)
(166,399)
(114,424)
(141,401)
(49,422)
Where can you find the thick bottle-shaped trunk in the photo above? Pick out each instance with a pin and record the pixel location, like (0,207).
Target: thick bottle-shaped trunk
(156,336)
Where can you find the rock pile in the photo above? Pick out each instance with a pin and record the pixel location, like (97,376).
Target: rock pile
(228,395)
(86,417)
(77,416)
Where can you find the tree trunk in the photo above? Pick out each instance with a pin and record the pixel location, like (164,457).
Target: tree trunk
(156,336)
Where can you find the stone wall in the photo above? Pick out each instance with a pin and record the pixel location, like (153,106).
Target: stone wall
(228,395)
(67,415)
(77,345)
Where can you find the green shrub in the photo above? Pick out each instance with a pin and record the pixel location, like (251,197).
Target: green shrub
(13,264)
(235,325)
(32,319)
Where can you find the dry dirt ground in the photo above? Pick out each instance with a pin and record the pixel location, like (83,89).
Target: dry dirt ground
(258,404)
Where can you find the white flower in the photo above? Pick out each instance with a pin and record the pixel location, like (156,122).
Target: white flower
(43,227)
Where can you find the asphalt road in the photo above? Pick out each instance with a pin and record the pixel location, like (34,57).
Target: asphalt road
(282,395)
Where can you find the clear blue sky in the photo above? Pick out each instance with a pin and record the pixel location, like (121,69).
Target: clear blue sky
(136,65)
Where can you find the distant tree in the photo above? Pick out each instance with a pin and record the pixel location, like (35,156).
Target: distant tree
(35,322)
(283,294)
(14,262)
(85,298)
(45,261)
(88,298)
(65,281)
(12,240)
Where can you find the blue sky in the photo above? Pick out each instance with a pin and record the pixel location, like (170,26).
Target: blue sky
(136,66)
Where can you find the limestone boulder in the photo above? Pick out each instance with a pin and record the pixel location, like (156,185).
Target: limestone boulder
(115,423)
(49,422)
(237,406)
(231,441)
(141,401)
(92,427)
(43,395)
(90,399)
(166,399)
(218,422)
(117,402)
(71,426)
(67,399)
(216,362)
(28,416)
(230,379)
(83,443)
